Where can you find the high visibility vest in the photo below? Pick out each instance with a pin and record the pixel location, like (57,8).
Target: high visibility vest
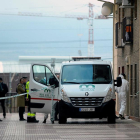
(30,114)
(27,88)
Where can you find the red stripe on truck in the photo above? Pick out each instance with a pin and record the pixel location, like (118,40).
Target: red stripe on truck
(44,99)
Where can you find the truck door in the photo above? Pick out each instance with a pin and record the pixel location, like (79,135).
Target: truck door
(40,76)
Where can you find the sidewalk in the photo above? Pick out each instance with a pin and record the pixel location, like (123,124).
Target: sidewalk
(76,129)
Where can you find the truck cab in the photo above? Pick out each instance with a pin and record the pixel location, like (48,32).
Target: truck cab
(86,89)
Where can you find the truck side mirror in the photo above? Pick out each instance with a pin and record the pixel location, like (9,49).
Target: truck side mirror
(118,82)
(53,81)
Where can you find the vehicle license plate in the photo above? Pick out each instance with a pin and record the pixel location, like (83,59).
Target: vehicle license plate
(86,109)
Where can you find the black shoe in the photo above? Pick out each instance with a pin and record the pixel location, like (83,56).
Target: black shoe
(32,120)
(0,120)
(44,121)
(22,119)
(117,117)
(4,116)
(28,119)
(121,117)
(56,119)
(35,121)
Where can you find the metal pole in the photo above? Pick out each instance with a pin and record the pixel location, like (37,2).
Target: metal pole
(53,64)
(52,111)
(14,104)
(9,102)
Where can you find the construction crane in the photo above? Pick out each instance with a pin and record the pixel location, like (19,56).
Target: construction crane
(90,24)
(90,19)
(91,33)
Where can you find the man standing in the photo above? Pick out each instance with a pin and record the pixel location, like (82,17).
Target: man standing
(122,91)
(24,82)
(21,99)
(3,91)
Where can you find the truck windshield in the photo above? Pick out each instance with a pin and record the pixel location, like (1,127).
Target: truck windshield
(87,73)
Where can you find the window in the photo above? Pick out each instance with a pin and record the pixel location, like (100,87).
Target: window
(127,32)
(48,75)
(42,74)
(80,74)
(124,30)
(39,74)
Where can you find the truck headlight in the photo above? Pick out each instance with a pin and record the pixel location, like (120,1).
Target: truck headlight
(108,96)
(64,96)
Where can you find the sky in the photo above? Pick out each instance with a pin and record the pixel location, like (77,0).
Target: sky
(49,6)
(45,30)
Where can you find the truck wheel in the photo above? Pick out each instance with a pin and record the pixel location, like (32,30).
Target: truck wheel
(62,120)
(111,117)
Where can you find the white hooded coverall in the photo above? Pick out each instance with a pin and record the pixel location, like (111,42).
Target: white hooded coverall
(122,91)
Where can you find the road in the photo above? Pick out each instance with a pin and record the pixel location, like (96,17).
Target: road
(75,129)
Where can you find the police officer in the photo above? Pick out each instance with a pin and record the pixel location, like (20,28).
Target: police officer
(28,97)
(24,83)
(31,117)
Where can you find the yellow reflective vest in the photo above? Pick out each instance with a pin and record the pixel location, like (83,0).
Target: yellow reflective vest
(27,88)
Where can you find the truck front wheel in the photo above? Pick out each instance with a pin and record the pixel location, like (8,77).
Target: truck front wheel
(62,120)
(111,117)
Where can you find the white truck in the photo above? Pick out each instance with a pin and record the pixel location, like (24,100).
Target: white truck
(85,89)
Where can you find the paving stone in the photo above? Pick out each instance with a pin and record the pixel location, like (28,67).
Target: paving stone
(76,129)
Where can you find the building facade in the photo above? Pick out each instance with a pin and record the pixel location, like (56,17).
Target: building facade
(126,51)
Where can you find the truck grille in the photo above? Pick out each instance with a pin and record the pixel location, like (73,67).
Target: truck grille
(84,101)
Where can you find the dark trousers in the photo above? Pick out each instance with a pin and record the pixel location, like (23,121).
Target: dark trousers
(56,111)
(28,103)
(21,111)
(29,110)
(3,106)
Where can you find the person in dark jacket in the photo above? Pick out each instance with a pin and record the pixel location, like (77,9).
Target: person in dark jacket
(21,99)
(3,91)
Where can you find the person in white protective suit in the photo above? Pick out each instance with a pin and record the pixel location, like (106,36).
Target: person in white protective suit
(122,91)
(54,112)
